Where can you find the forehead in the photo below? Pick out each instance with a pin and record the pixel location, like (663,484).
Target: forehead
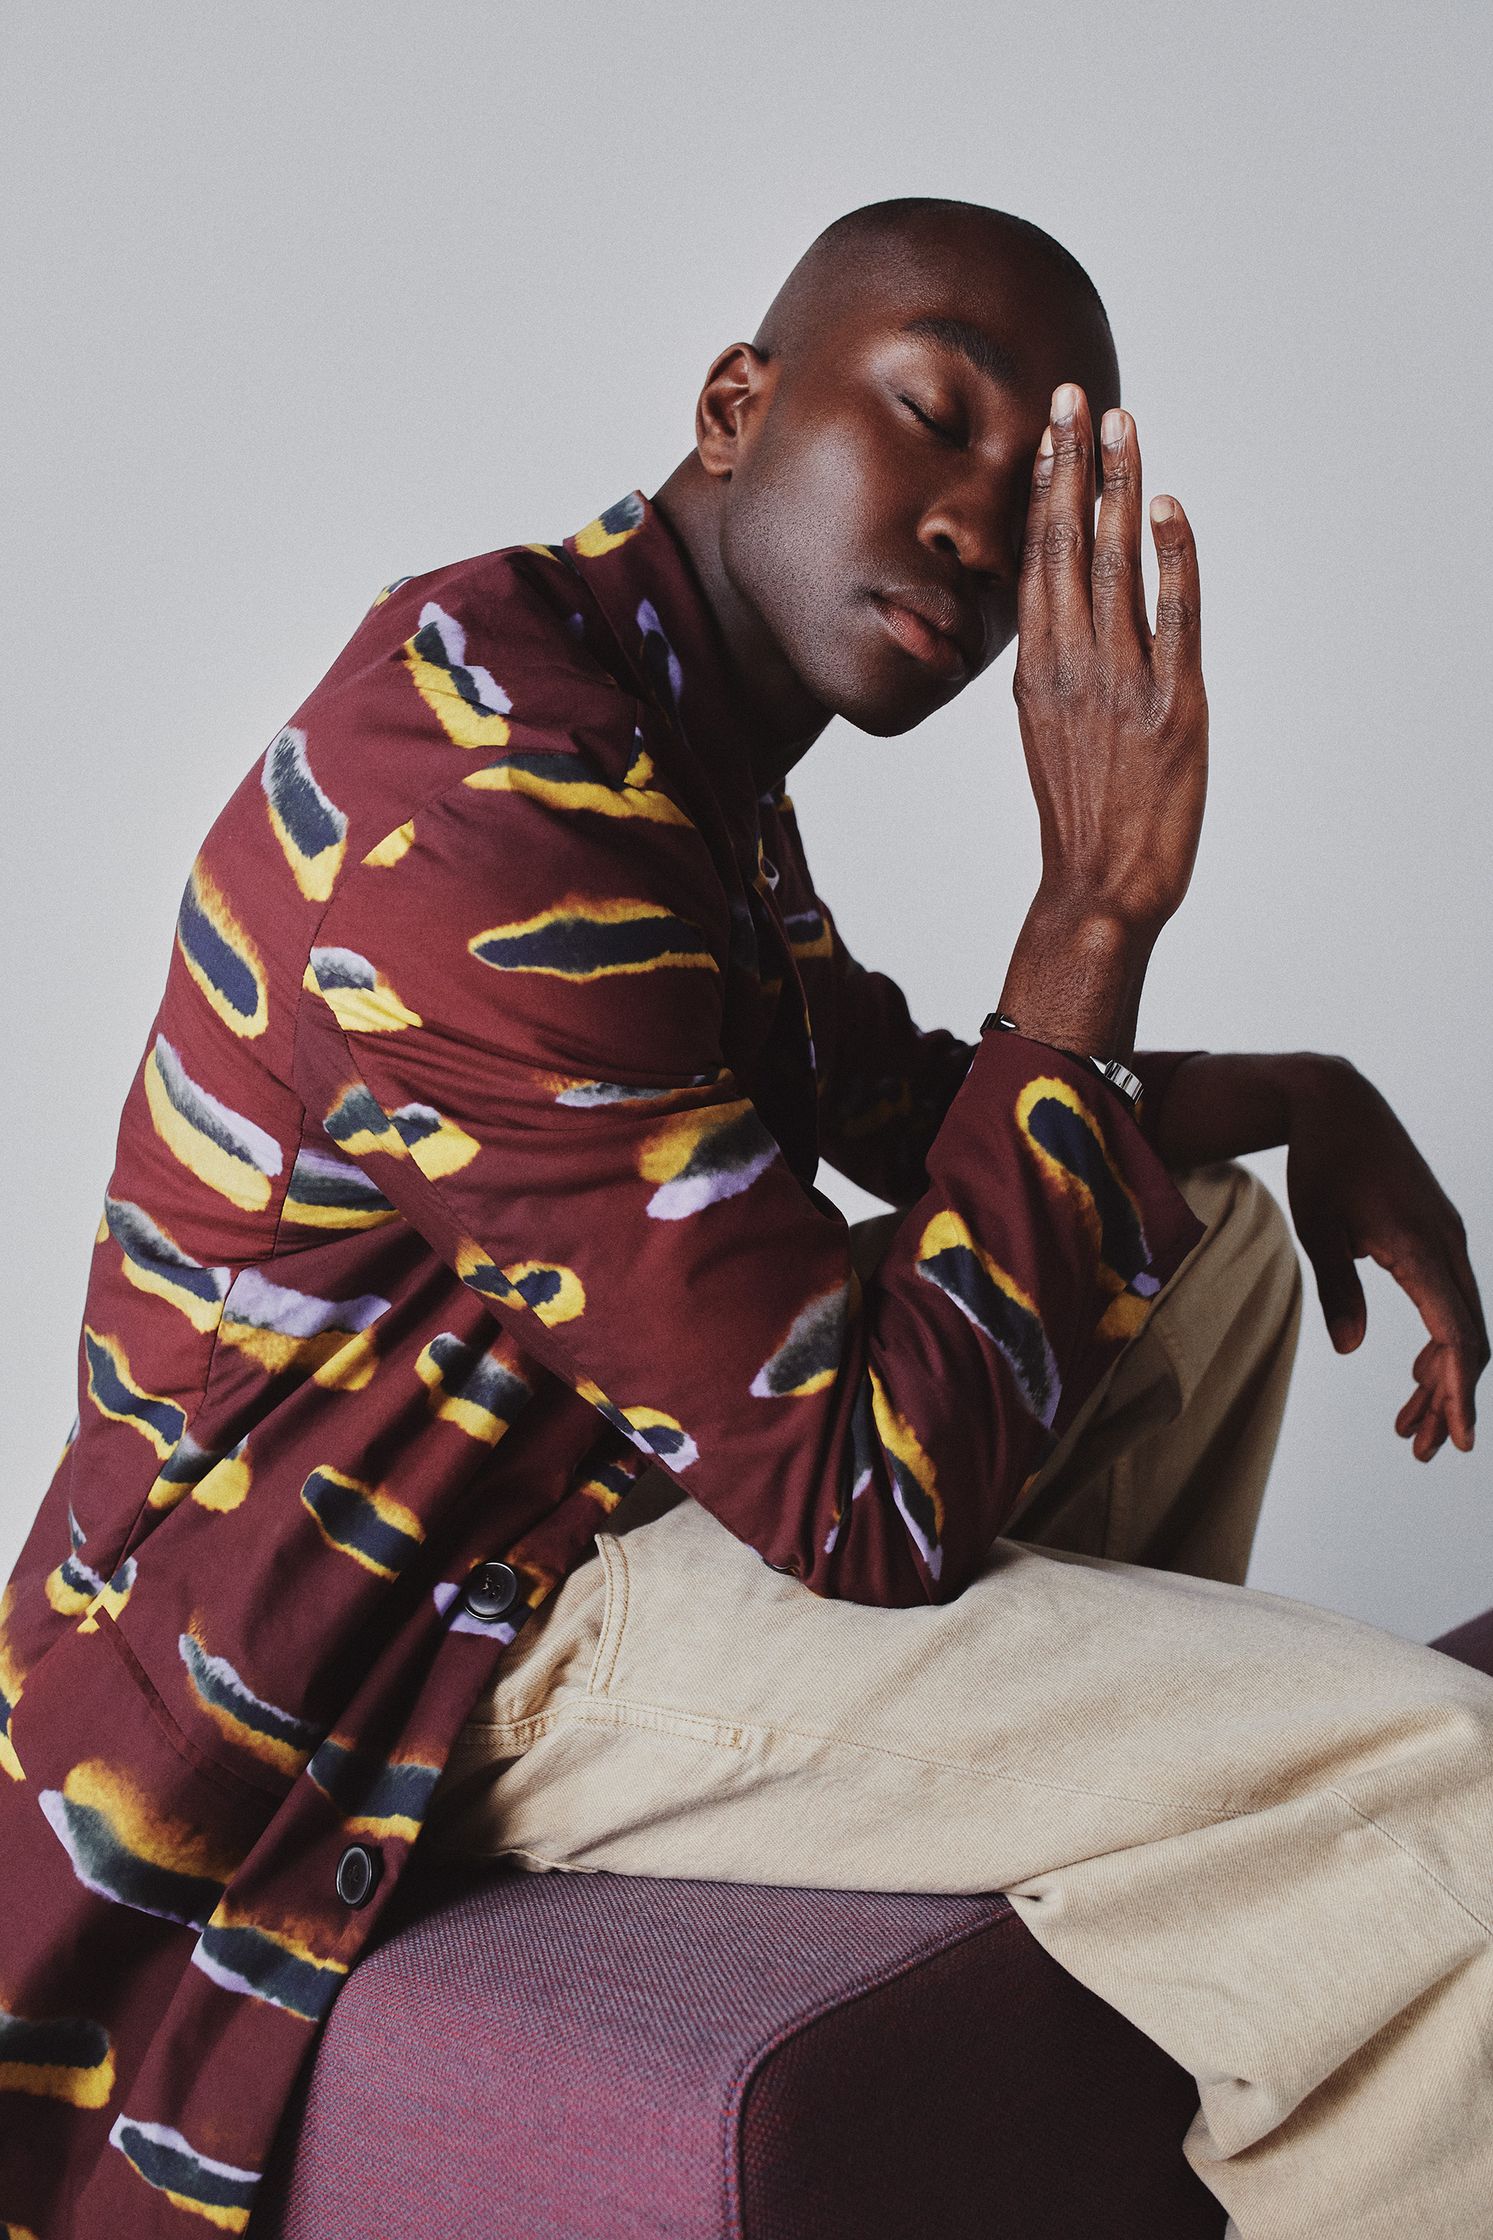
(1016,323)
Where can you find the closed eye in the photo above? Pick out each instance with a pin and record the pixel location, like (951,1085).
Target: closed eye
(949,435)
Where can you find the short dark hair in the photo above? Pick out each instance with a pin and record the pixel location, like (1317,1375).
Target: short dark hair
(847,251)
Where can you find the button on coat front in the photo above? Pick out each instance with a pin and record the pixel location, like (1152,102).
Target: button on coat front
(357,1874)
(490,1592)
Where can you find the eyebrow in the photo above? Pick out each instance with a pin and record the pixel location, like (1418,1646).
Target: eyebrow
(970,343)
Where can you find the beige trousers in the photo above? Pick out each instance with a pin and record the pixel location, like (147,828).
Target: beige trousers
(1261,1831)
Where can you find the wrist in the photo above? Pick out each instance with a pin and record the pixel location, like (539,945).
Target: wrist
(1099,918)
(1223,1104)
(1306,1081)
(1126,1084)
(1093,925)
(1075,977)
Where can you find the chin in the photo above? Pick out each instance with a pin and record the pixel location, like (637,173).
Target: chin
(882,723)
(883,710)
(867,695)
(850,670)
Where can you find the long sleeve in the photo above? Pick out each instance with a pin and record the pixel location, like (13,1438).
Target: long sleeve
(887,1083)
(519,1026)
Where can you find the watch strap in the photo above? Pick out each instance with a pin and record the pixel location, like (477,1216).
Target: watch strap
(1121,1079)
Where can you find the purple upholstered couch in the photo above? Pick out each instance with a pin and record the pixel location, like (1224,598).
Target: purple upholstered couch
(592,2057)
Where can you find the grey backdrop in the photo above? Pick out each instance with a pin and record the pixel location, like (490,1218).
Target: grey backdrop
(298,298)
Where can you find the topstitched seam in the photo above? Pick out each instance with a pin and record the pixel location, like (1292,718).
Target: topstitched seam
(1229,1810)
(613,1616)
(1430,1873)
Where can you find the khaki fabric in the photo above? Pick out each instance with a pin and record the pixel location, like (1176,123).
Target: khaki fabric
(1261,1831)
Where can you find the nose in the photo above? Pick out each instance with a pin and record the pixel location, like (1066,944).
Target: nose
(978,522)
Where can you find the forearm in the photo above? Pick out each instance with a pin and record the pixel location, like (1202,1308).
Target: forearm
(1221,1104)
(1075,977)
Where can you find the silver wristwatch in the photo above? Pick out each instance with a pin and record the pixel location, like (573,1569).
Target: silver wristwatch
(1120,1078)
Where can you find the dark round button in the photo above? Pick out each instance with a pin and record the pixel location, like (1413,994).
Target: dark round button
(357,1874)
(491,1591)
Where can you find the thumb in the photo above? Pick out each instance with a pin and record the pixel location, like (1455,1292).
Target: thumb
(1339,1290)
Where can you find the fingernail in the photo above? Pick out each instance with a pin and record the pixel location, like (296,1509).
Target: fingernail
(1162,509)
(1045,446)
(1065,402)
(1112,429)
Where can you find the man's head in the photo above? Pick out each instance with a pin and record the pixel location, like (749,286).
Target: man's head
(873,445)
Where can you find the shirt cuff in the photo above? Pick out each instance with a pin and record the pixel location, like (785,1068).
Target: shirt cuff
(1005,1063)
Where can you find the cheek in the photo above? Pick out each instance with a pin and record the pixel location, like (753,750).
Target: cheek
(803,529)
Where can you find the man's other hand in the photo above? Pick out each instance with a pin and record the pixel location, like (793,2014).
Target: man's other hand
(1358,1188)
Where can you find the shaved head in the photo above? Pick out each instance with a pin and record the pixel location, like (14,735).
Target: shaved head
(895,248)
(868,456)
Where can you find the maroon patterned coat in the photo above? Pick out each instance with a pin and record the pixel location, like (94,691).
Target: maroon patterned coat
(469,1167)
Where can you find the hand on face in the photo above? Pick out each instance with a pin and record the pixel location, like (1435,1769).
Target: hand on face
(1114,716)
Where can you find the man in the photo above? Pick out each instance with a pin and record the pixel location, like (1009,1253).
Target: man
(469,1173)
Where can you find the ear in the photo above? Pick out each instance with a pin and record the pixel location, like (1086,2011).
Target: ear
(737,387)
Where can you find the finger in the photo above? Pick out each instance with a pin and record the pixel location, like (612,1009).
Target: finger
(1414,1408)
(1119,596)
(1449,1381)
(1453,1248)
(1031,589)
(1443,1310)
(1338,1288)
(1068,532)
(1461,1268)
(1431,1436)
(1177,646)
(1458,1405)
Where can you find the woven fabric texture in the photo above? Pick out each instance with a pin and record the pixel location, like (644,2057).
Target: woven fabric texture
(599,2057)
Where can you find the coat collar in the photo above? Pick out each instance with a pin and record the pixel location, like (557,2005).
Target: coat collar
(646,586)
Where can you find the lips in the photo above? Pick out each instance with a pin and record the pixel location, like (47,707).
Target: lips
(926,628)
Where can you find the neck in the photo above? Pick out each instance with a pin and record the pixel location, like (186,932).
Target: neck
(785,718)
